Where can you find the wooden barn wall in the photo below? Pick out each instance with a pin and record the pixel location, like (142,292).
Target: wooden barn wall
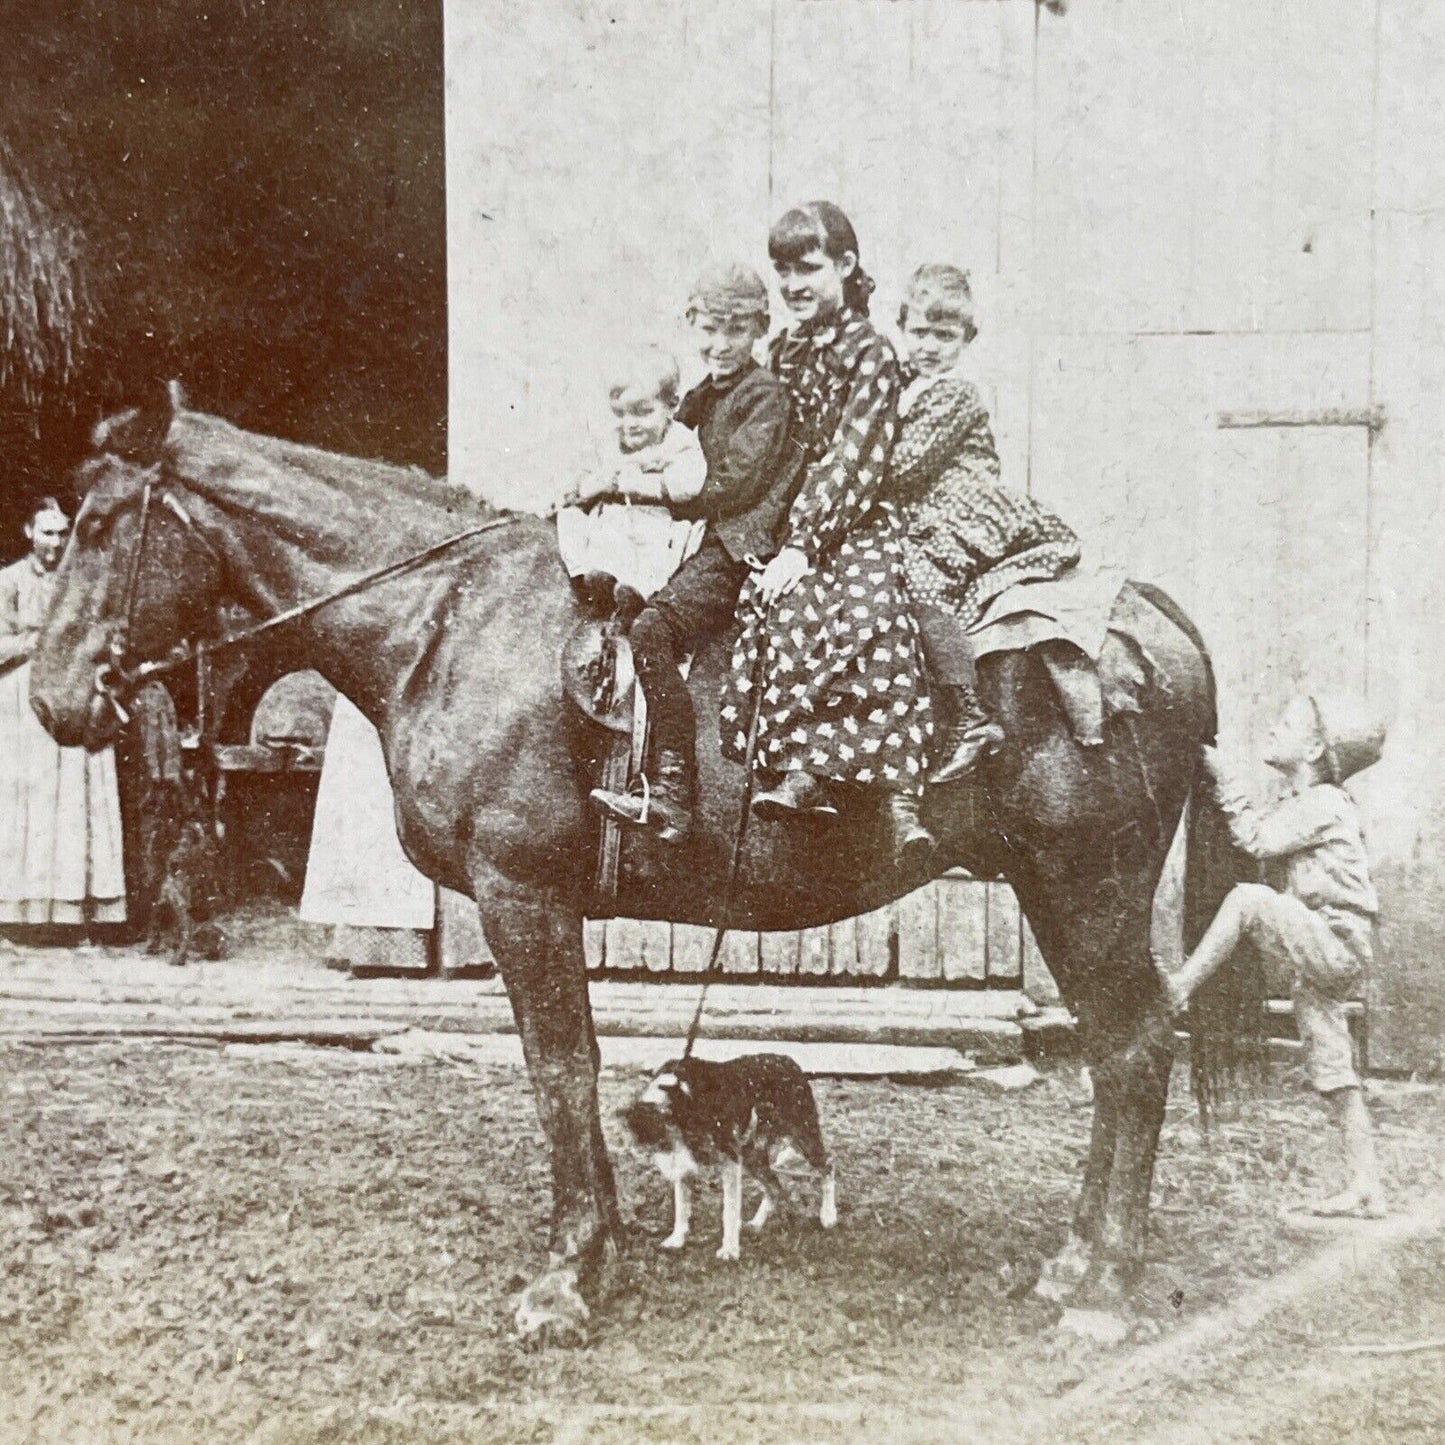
(1207,246)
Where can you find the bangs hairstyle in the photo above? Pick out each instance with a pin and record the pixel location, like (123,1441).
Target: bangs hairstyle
(821,226)
(940,292)
(652,369)
(46,507)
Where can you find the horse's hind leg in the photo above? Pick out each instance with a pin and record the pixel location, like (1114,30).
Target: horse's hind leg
(1097,942)
(1138,1076)
(1063,1272)
(538,944)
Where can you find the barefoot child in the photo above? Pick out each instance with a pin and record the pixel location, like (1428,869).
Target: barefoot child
(1315,932)
(619,528)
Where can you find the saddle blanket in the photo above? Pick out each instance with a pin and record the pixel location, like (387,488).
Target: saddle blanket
(1084,628)
(1074,608)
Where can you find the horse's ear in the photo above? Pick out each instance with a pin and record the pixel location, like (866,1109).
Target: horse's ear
(139,432)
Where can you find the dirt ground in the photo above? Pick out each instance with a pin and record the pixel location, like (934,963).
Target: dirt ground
(282,1243)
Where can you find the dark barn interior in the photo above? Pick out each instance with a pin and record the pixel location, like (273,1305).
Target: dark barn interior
(247,196)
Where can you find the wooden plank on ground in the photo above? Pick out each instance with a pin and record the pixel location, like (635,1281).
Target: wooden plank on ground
(1004,963)
(962,929)
(778,953)
(918,935)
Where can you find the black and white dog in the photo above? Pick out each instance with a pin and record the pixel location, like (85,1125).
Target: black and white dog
(741,1115)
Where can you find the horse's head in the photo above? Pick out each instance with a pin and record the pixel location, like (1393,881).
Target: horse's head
(136,581)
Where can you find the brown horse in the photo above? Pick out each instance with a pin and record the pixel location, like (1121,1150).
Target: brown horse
(456,662)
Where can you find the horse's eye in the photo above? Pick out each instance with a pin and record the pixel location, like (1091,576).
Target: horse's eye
(89,531)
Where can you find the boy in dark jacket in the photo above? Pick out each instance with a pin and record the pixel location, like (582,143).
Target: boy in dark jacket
(740,413)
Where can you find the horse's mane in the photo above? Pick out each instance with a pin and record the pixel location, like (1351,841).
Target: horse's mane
(232,467)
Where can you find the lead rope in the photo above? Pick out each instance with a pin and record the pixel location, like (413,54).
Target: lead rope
(750,752)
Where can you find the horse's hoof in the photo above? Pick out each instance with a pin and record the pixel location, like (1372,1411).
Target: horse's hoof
(552,1312)
(730,1253)
(1062,1275)
(1106,1287)
(1103,1327)
(672,1242)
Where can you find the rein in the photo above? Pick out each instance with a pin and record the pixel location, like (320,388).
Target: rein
(114,678)
(750,753)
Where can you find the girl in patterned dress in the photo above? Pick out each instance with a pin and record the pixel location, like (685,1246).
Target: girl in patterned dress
(968,536)
(826,627)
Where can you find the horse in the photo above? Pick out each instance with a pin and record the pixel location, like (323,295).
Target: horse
(455,660)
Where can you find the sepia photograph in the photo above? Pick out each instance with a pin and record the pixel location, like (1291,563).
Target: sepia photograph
(722,722)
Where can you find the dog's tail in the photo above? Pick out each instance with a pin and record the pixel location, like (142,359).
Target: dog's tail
(809,1142)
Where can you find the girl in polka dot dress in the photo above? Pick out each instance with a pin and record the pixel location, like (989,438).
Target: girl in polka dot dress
(826,627)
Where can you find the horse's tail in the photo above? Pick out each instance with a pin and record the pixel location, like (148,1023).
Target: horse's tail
(1227,1016)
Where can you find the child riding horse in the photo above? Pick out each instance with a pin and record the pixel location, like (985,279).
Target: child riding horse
(827,636)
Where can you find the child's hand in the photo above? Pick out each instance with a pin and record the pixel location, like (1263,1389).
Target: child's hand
(651,465)
(591,487)
(782,574)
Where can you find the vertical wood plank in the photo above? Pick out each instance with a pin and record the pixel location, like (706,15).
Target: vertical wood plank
(640,944)
(962,929)
(843,948)
(623,945)
(840,122)
(778,953)
(656,944)
(917,915)
(1038,982)
(739,953)
(813,952)
(877,935)
(1004,962)
(691,947)
(594,942)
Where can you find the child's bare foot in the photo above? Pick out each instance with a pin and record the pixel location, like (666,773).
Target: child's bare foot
(1359,1201)
(1176,995)
(1176,992)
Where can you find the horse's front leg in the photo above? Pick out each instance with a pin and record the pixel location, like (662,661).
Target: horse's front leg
(537,940)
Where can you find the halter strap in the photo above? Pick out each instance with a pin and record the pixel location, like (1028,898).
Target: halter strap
(114,677)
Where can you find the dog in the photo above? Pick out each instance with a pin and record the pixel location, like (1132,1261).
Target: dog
(188,896)
(741,1115)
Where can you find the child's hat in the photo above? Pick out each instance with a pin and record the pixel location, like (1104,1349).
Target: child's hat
(727,289)
(1353,735)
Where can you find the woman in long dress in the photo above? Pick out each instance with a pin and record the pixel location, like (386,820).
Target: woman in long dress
(60,831)
(826,626)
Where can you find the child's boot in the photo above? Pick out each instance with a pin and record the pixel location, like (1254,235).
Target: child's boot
(970,736)
(913,844)
(664,806)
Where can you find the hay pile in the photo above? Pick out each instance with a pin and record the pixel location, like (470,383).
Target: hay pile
(44,311)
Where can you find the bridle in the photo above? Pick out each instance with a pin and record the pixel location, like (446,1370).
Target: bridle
(118,677)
